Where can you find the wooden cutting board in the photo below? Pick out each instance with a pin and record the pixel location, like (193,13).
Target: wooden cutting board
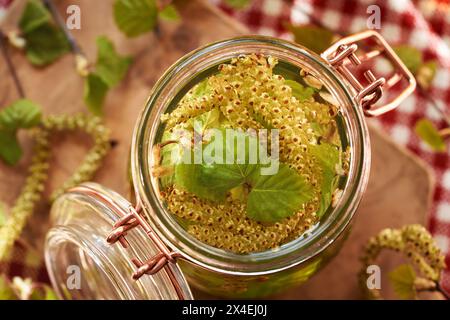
(400,186)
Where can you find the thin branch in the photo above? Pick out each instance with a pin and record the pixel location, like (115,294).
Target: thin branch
(75,47)
(157,30)
(10,65)
(434,104)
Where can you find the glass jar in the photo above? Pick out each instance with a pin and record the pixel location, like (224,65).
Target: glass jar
(151,245)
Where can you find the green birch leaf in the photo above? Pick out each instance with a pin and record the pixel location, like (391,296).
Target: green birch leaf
(169,13)
(135,17)
(402,279)
(166,157)
(275,197)
(110,66)
(34,16)
(226,176)
(95,90)
(10,150)
(430,135)
(327,156)
(271,198)
(314,38)
(299,91)
(199,124)
(212,181)
(23,113)
(410,56)
(190,178)
(45,44)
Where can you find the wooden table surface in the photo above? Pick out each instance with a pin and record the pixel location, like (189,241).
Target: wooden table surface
(400,186)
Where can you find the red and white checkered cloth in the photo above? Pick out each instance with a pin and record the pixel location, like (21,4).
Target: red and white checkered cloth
(423,24)
(3,5)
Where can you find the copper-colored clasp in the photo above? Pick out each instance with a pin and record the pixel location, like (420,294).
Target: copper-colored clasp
(129,219)
(133,219)
(154,264)
(121,227)
(343,52)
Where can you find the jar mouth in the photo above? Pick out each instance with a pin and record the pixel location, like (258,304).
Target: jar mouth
(178,79)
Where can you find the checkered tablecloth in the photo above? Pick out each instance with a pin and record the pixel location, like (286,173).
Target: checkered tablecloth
(423,24)
(3,5)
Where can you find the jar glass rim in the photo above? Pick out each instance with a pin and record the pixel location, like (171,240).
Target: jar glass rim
(291,253)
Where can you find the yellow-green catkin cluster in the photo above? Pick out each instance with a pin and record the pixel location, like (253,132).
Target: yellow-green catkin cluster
(249,94)
(415,242)
(38,170)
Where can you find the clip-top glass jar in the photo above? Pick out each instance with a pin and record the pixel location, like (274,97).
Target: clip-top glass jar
(140,251)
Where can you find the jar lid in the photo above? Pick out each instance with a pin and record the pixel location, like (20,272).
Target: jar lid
(83,261)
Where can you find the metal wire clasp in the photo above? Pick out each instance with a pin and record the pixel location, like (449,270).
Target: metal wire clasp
(129,221)
(129,218)
(343,52)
